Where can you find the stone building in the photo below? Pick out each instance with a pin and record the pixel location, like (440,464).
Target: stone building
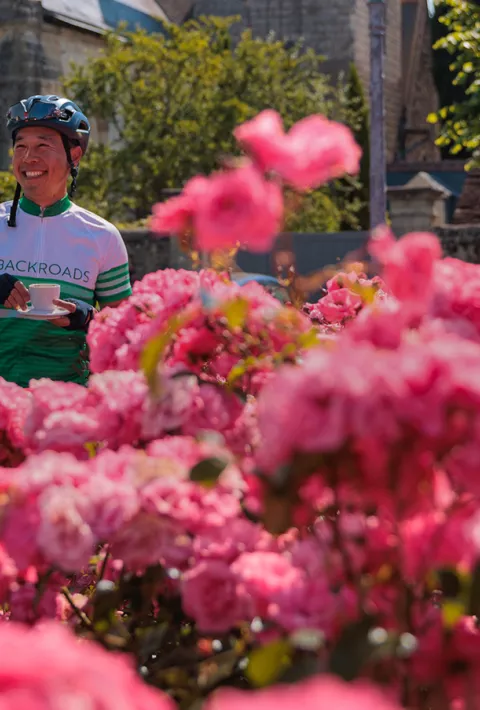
(39,39)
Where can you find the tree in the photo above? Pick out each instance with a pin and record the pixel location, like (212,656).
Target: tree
(460,120)
(448,92)
(173,102)
(7,186)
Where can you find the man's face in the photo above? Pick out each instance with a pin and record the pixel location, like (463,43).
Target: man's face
(40,164)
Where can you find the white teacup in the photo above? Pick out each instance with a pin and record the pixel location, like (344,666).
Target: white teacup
(43,295)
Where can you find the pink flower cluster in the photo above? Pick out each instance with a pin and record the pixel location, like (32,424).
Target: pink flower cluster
(117,409)
(222,325)
(240,205)
(45,668)
(321,692)
(425,292)
(358,462)
(57,509)
(346,294)
(379,418)
(14,403)
(312,153)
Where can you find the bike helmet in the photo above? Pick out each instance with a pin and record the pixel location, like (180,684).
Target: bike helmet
(54,112)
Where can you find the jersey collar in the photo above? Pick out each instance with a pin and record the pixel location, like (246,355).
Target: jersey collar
(57,208)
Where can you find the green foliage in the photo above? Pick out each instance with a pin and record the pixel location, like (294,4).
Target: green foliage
(448,92)
(173,102)
(460,120)
(317,212)
(7,186)
(358,107)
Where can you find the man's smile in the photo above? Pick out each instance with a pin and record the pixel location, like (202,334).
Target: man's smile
(34,174)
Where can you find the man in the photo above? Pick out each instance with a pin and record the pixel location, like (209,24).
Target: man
(46,238)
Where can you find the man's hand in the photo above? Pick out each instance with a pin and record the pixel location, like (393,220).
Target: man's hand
(80,314)
(63,321)
(13,293)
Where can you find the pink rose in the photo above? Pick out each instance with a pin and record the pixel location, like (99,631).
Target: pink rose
(262,576)
(27,606)
(227,543)
(174,216)
(64,537)
(319,693)
(111,504)
(147,540)
(309,605)
(319,151)
(408,266)
(240,207)
(263,138)
(209,593)
(339,305)
(315,150)
(47,667)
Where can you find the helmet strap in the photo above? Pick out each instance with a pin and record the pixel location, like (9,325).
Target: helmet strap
(73,167)
(12,219)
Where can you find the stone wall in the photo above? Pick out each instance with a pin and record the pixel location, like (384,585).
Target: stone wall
(461,242)
(21,60)
(35,55)
(147,253)
(312,251)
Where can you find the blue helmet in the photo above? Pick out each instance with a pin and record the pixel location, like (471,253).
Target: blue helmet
(51,111)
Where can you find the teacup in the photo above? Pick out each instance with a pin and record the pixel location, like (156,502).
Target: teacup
(43,295)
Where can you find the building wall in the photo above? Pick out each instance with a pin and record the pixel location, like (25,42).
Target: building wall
(21,60)
(312,251)
(34,57)
(62,47)
(420,95)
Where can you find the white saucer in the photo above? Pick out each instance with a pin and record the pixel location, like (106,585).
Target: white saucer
(37,314)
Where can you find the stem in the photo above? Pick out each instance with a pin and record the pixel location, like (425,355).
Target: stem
(347,562)
(78,612)
(104,565)
(41,586)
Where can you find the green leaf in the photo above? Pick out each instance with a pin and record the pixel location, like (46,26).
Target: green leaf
(309,339)
(237,372)
(155,348)
(236,312)
(352,650)
(208,471)
(267,664)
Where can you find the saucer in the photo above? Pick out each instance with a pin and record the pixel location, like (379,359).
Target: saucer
(38,314)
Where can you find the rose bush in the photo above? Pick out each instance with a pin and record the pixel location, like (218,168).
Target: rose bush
(236,501)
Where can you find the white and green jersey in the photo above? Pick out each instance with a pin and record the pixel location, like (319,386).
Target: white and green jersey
(62,244)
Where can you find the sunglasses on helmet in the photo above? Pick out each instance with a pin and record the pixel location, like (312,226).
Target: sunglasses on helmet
(38,111)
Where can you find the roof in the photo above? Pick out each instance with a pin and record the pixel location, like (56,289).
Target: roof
(423,180)
(452,180)
(102,15)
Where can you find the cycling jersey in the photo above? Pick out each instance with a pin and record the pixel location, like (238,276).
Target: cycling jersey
(66,245)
